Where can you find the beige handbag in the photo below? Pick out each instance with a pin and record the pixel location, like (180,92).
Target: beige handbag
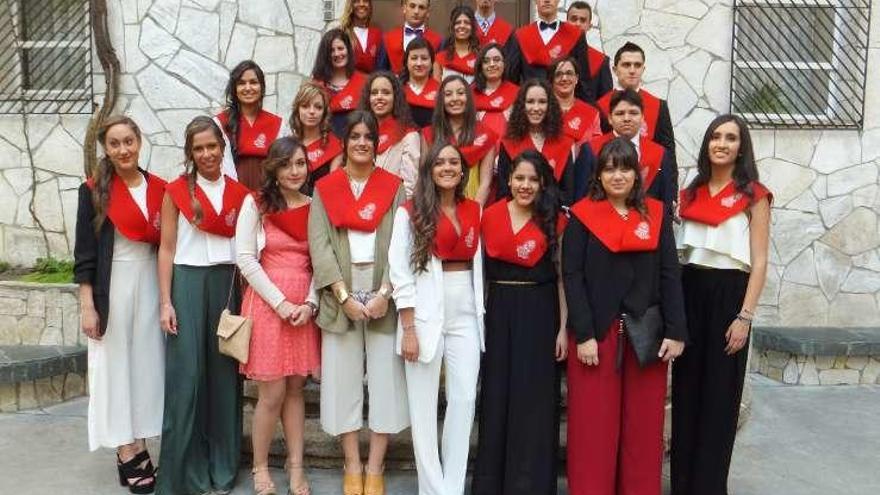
(234,331)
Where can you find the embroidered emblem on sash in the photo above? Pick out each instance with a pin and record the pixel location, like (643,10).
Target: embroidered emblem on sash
(496,102)
(469,238)
(157,220)
(383,138)
(346,102)
(480,140)
(367,212)
(472,63)
(260,142)
(555,52)
(642,231)
(431,96)
(731,200)
(575,123)
(315,154)
(230,217)
(525,249)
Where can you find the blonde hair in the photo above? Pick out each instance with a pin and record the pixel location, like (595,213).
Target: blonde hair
(308,90)
(103,173)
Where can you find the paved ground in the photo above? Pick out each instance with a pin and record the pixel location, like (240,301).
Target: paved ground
(799,441)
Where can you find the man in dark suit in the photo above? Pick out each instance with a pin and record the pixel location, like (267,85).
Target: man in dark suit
(415,16)
(581,15)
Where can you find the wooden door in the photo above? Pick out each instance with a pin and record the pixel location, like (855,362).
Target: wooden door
(387,14)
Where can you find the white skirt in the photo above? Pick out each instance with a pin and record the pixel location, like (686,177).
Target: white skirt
(127,367)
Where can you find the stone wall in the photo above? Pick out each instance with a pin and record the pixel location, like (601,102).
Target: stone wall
(176,54)
(798,369)
(39,314)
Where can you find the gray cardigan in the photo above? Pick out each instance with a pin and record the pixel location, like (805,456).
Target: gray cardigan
(331,262)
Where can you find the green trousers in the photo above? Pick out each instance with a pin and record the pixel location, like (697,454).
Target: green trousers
(201,430)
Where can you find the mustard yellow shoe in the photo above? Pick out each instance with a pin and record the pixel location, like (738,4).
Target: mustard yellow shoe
(352,483)
(374,484)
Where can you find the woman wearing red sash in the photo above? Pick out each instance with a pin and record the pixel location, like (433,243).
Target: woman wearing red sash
(248,129)
(724,243)
(536,124)
(201,431)
(398,151)
(437,274)
(365,38)
(272,250)
(117,230)
(334,69)
(493,93)
(350,226)
(418,85)
(519,393)
(459,53)
(455,122)
(625,310)
(310,122)
(580,120)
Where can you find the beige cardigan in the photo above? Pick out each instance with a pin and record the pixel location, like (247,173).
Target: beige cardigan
(331,262)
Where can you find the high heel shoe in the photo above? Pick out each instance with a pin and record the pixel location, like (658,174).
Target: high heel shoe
(134,472)
(374,484)
(263,487)
(352,483)
(301,489)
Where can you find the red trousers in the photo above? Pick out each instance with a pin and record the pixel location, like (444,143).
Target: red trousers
(615,422)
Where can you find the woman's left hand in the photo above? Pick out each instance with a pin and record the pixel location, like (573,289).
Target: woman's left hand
(300,315)
(561,344)
(670,349)
(736,336)
(377,306)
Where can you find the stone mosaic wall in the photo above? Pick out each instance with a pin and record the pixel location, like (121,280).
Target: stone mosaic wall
(39,314)
(794,369)
(42,392)
(176,55)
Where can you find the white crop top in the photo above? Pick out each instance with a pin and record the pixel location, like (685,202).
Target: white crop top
(726,246)
(196,247)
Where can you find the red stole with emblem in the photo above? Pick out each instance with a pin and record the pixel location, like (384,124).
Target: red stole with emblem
(319,154)
(365,56)
(127,217)
(390,133)
(293,221)
(452,245)
(580,121)
(427,98)
(523,248)
(650,110)
(500,99)
(498,32)
(254,139)
(394,46)
(463,65)
(595,59)
(617,233)
(484,141)
(347,98)
(714,210)
(220,223)
(535,52)
(557,151)
(362,214)
(650,156)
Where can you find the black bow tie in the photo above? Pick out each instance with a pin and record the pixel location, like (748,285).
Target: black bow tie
(548,25)
(413,31)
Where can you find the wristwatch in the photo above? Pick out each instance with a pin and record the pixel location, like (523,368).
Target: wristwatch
(385,292)
(341,294)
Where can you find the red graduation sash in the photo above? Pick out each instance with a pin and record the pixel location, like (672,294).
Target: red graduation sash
(427,98)
(319,154)
(595,60)
(347,98)
(619,234)
(254,139)
(394,46)
(650,112)
(222,223)
(714,210)
(523,248)
(484,141)
(365,57)
(365,213)
(498,32)
(499,100)
(557,151)
(452,245)
(579,119)
(390,133)
(127,217)
(650,156)
(293,221)
(463,65)
(535,52)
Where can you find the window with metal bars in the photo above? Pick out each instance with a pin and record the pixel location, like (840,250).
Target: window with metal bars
(45,56)
(800,63)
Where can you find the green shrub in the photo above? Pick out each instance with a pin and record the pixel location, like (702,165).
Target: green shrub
(4,266)
(50,271)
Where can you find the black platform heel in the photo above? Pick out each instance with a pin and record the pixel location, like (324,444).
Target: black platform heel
(132,475)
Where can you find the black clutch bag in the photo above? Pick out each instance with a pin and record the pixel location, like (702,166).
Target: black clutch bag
(645,334)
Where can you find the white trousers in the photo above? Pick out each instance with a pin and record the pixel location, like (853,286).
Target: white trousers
(459,349)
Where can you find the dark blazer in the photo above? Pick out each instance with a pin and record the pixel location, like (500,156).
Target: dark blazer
(663,135)
(600,284)
(664,187)
(519,71)
(93,254)
(566,182)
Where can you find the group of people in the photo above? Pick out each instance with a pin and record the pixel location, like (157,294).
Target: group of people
(488,205)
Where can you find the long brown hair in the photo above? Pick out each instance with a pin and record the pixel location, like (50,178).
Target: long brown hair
(744,169)
(621,154)
(197,125)
(233,106)
(440,121)
(518,126)
(280,153)
(347,21)
(308,90)
(103,173)
(426,206)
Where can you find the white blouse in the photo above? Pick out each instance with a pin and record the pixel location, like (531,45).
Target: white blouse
(726,246)
(196,247)
(361,245)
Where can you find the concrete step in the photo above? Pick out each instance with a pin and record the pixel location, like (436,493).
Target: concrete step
(34,376)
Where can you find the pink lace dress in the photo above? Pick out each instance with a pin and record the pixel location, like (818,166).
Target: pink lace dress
(278,349)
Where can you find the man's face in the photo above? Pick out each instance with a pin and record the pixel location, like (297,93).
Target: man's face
(415,12)
(629,70)
(485,5)
(547,8)
(580,18)
(626,119)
